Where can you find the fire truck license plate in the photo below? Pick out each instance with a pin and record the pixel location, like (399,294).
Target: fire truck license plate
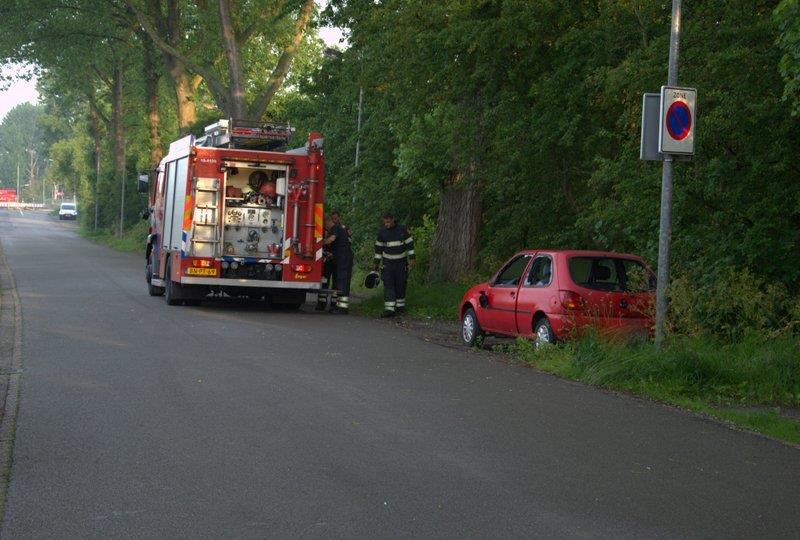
(192,271)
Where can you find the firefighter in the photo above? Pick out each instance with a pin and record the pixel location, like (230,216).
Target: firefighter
(339,242)
(394,248)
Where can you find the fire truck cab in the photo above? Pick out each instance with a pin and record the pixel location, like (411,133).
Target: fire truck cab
(230,213)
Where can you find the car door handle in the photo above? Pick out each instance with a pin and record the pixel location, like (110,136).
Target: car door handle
(513,295)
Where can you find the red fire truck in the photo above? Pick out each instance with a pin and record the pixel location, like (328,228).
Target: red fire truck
(232,213)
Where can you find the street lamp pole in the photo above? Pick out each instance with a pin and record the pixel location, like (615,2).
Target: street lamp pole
(665,226)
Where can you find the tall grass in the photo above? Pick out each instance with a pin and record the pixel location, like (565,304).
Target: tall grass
(752,372)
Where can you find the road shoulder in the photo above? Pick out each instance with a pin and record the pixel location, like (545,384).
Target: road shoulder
(10,373)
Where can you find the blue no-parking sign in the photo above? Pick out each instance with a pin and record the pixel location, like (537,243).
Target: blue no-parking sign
(677,128)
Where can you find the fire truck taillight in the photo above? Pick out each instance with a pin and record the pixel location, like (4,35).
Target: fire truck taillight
(302,268)
(202,263)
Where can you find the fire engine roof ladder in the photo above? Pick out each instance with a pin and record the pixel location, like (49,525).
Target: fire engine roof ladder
(205,232)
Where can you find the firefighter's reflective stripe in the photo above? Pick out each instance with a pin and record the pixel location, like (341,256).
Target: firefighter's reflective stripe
(395,257)
(409,240)
(378,256)
(380,244)
(411,253)
(401,302)
(389,306)
(394,243)
(343,302)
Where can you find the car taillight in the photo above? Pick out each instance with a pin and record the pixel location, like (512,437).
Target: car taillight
(302,268)
(570,300)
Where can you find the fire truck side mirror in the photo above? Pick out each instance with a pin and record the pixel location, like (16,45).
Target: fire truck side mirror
(144,183)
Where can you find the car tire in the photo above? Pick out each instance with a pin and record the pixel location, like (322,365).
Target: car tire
(170,293)
(543,333)
(152,290)
(471,330)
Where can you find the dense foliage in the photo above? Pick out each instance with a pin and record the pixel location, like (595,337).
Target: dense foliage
(487,125)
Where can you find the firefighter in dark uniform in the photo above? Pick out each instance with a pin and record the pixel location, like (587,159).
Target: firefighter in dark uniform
(394,248)
(339,242)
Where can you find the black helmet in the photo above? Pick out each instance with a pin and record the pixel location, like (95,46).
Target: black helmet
(372,280)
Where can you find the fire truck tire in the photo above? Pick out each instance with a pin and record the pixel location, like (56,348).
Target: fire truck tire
(171,294)
(152,290)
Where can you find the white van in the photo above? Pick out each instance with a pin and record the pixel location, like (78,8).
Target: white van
(68,211)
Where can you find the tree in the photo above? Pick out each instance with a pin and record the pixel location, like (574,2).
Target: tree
(252,26)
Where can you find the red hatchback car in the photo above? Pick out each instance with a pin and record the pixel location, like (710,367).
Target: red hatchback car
(555,295)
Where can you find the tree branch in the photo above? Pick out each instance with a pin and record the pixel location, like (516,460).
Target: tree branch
(278,75)
(262,18)
(214,84)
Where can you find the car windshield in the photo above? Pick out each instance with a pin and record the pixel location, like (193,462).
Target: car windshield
(68,207)
(611,274)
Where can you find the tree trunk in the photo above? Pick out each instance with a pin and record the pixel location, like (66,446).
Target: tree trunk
(236,97)
(184,93)
(151,78)
(116,119)
(454,248)
(94,122)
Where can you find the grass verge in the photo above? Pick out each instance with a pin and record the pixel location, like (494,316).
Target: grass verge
(132,240)
(752,383)
(423,300)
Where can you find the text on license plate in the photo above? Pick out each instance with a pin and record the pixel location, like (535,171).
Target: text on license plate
(192,271)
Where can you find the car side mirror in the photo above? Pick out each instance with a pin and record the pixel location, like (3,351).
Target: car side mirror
(144,183)
(483,300)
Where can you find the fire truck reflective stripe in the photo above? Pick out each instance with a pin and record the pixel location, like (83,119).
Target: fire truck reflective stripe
(183,243)
(410,240)
(188,210)
(394,257)
(287,243)
(318,220)
(319,254)
(393,243)
(285,261)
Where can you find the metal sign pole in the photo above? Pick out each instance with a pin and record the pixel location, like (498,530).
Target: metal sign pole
(665,227)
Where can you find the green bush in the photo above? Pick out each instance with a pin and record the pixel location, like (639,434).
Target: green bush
(732,305)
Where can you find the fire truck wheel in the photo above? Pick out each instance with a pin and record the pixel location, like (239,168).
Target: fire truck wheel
(171,293)
(152,290)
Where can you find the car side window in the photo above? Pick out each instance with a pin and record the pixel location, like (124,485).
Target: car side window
(541,274)
(511,274)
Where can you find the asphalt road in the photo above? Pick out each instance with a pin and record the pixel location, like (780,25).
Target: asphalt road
(138,419)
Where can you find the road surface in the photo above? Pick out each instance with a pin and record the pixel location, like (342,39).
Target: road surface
(137,419)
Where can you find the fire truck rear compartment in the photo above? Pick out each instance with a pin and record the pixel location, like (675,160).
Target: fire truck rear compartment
(254,217)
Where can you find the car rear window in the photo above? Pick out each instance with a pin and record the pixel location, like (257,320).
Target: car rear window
(611,274)
(68,207)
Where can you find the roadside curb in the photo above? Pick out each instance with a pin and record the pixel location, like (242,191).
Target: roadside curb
(10,373)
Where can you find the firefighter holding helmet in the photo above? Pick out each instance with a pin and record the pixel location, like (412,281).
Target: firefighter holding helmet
(394,247)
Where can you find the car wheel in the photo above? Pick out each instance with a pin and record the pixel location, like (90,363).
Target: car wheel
(470,328)
(170,292)
(544,333)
